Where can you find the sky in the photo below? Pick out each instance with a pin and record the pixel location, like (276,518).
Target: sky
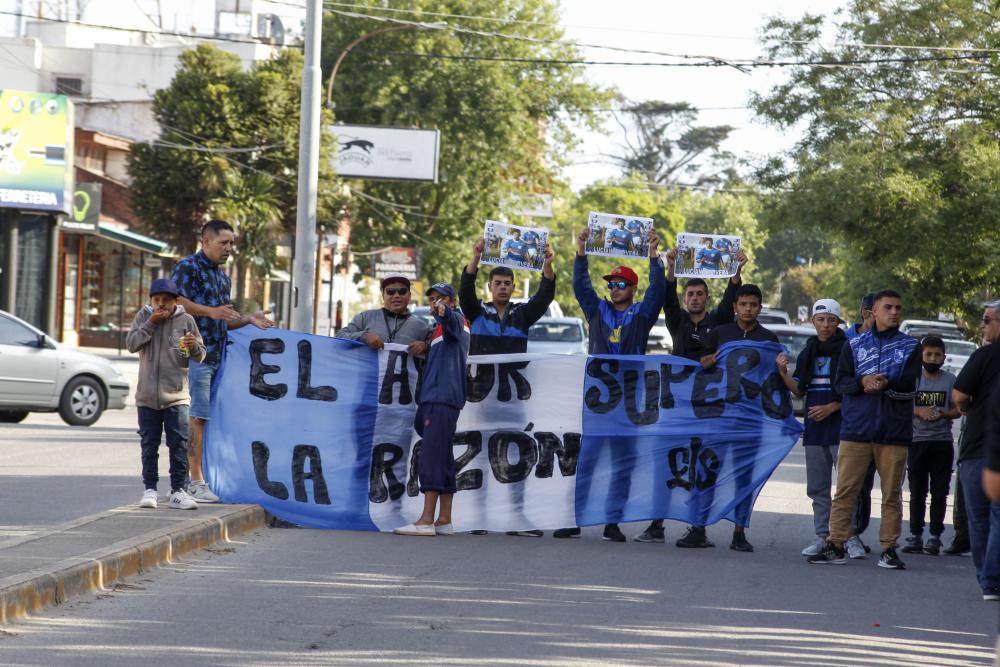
(723,28)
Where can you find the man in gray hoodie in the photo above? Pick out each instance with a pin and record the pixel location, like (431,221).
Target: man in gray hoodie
(166,338)
(392,323)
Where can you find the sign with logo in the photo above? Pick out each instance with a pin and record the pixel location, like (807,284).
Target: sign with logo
(36,151)
(392,153)
(86,210)
(397,262)
(538,205)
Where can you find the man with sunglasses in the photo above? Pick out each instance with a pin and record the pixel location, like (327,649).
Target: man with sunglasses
(392,323)
(618,326)
(974,390)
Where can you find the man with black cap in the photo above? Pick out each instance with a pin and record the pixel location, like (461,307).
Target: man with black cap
(392,323)
(618,326)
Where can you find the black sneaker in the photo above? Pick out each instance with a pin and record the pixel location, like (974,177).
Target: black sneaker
(830,555)
(958,548)
(932,547)
(612,533)
(740,543)
(695,538)
(654,533)
(566,533)
(525,533)
(914,545)
(890,560)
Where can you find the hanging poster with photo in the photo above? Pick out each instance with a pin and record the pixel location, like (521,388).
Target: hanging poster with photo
(706,255)
(616,235)
(514,246)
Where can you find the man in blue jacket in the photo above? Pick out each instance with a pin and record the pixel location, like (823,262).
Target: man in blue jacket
(618,326)
(877,376)
(442,397)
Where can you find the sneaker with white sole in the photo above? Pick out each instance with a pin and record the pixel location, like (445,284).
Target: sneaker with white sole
(148,500)
(417,530)
(891,561)
(855,548)
(815,547)
(180,500)
(444,529)
(199,490)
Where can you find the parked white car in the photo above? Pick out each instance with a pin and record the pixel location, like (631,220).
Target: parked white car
(557,335)
(957,352)
(660,341)
(794,338)
(940,328)
(39,375)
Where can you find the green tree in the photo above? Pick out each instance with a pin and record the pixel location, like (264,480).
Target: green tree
(506,128)
(899,161)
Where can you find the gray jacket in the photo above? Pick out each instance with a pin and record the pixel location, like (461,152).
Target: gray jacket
(391,328)
(163,370)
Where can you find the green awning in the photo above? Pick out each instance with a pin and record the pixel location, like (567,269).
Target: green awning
(132,239)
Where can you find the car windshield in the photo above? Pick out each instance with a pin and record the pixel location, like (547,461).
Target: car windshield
(962,348)
(795,342)
(553,332)
(771,318)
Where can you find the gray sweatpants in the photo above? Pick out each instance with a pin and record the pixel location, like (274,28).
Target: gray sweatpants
(820,462)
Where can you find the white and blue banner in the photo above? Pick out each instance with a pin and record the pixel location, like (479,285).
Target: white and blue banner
(319,431)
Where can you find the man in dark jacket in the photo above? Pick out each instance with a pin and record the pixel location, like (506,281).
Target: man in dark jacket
(877,377)
(442,397)
(619,326)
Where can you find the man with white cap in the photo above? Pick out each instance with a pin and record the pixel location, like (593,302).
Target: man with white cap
(814,379)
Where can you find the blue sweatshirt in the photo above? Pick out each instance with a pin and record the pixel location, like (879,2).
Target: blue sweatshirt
(885,417)
(613,331)
(444,374)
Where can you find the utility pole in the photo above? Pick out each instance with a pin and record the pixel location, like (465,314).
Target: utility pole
(304,268)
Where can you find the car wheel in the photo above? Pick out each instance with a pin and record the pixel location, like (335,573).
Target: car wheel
(82,402)
(13,416)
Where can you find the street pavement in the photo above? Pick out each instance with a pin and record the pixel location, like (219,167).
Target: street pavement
(307,597)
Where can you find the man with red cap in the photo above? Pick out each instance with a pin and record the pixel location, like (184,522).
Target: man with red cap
(618,325)
(392,323)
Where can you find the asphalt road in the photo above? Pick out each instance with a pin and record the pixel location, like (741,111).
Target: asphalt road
(304,597)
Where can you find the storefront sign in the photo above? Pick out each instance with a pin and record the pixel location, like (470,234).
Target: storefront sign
(86,209)
(397,262)
(400,154)
(36,151)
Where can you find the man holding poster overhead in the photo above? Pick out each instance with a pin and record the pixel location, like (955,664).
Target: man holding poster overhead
(618,326)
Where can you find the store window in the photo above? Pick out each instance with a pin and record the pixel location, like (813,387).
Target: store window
(32,268)
(111,292)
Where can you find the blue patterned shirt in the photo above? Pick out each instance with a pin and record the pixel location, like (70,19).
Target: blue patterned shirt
(202,281)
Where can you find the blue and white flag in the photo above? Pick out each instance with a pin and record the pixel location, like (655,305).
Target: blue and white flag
(319,431)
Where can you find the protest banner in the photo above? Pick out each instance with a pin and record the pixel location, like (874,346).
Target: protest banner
(706,255)
(319,431)
(514,246)
(616,235)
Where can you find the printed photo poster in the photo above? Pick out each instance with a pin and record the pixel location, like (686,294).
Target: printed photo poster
(706,255)
(514,246)
(616,235)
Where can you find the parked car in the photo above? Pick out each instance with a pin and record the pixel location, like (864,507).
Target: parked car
(957,353)
(660,341)
(940,328)
(39,375)
(557,335)
(770,316)
(794,338)
(424,312)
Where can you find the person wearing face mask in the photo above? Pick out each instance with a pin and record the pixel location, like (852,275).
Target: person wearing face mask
(929,458)
(392,323)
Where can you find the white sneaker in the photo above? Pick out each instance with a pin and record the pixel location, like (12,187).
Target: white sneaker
(444,529)
(199,490)
(148,499)
(180,500)
(855,548)
(418,530)
(815,547)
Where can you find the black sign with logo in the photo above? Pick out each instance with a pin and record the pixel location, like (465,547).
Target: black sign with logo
(86,209)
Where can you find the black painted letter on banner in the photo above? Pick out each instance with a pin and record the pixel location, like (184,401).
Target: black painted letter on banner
(706,402)
(549,448)
(651,394)
(261,454)
(739,362)
(603,370)
(478,386)
(510,372)
(468,480)
(299,477)
(413,482)
(499,448)
(384,457)
(305,377)
(773,386)
(258,369)
(668,377)
(393,376)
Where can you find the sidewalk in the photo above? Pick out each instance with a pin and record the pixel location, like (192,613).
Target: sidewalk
(53,565)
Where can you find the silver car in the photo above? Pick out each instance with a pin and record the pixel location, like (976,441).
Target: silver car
(39,375)
(557,335)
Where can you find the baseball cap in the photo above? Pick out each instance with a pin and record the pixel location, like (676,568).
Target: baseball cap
(388,280)
(444,289)
(163,286)
(623,273)
(826,306)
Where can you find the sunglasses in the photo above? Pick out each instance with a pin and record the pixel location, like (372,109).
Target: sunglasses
(397,291)
(618,284)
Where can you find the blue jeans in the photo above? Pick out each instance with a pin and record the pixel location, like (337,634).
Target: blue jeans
(152,424)
(984,524)
(200,378)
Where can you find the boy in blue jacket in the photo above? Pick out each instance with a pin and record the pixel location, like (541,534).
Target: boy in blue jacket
(442,397)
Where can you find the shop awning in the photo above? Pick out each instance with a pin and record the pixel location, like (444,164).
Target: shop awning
(132,239)
(279,276)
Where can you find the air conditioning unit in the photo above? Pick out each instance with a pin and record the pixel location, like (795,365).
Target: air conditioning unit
(269,26)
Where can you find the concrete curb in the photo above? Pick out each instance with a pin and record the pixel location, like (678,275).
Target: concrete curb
(30,592)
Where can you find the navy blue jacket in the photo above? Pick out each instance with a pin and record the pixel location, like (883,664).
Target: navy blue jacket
(887,416)
(444,374)
(490,334)
(632,325)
